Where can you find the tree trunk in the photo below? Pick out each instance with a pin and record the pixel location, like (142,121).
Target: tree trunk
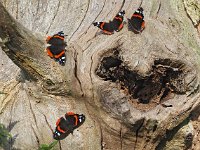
(150,100)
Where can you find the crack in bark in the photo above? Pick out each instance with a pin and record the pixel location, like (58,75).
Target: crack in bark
(75,73)
(121,139)
(34,117)
(88,45)
(45,117)
(169,50)
(123,2)
(101,135)
(45,120)
(158,9)
(137,132)
(193,80)
(60,146)
(141,3)
(53,19)
(196,89)
(37,139)
(81,20)
(91,76)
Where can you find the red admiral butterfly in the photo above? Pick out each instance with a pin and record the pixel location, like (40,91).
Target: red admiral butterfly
(137,23)
(110,27)
(56,50)
(66,125)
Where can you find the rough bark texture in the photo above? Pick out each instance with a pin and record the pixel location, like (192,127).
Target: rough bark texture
(40,91)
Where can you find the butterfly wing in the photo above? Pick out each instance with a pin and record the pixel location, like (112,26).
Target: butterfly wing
(61,130)
(80,121)
(75,119)
(55,40)
(136,22)
(58,136)
(107,28)
(117,23)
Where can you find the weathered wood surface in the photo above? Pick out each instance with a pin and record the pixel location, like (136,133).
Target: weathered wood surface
(114,120)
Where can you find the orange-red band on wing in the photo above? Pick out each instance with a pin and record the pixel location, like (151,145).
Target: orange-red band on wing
(70,113)
(76,120)
(119,18)
(59,55)
(138,16)
(107,32)
(121,26)
(143,24)
(60,130)
(49,53)
(57,122)
(57,36)
(101,26)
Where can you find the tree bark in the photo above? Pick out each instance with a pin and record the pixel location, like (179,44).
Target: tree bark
(161,63)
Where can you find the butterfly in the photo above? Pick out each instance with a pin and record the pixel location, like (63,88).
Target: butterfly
(56,50)
(137,23)
(66,125)
(115,25)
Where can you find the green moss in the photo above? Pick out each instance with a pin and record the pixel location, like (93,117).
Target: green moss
(4,136)
(48,147)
